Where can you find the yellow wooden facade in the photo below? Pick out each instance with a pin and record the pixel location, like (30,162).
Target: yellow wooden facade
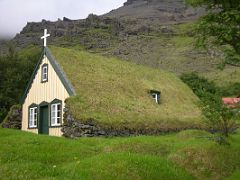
(44,92)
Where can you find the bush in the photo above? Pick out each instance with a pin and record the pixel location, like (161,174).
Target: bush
(14,118)
(231,90)
(200,86)
(15,71)
(220,118)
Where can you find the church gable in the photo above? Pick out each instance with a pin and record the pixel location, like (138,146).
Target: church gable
(41,74)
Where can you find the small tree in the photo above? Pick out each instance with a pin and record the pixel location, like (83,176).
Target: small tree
(15,71)
(220,118)
(220,26)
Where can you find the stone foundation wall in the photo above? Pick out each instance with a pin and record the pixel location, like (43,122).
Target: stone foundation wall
(73,128)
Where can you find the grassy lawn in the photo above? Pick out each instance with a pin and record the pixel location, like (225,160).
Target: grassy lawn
(185,155)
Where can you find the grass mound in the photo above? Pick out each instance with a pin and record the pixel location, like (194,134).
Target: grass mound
(144,157)
(115,93)
(192,134)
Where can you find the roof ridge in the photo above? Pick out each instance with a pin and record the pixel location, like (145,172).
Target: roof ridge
(63,77)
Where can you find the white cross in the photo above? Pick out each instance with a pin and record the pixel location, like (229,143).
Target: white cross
(45,37)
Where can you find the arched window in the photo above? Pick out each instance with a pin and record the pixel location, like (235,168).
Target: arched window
(56,113)
(32,116)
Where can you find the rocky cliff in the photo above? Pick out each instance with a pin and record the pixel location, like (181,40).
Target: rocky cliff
(158,11)
(133,17)
(62,31)
(155,33)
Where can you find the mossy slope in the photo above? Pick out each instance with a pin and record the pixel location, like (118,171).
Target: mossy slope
(115,93)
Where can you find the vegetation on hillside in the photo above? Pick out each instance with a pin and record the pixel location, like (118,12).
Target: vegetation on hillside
(220,117)
(167,47)
(15,71)
(220,26)
(116,94)
(226,78)
(164,46)
(170,47)
(185,155)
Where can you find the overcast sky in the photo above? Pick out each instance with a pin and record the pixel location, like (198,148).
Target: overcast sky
(14,14)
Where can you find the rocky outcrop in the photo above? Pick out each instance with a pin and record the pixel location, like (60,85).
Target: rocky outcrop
(14,118)
(66,31)
(157,11)
(134,17)
(135,32)
(129,2)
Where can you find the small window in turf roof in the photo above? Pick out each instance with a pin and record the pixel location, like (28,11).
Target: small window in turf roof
(155,95)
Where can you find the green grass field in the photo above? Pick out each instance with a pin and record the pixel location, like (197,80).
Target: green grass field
(116,94)
(185,155)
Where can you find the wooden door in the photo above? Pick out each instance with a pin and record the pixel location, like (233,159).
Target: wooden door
(44,122)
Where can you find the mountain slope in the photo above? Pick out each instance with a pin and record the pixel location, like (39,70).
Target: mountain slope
(168,47)
(155,33)
(157,11)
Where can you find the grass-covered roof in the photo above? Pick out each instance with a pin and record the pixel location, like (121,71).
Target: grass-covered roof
(116,94)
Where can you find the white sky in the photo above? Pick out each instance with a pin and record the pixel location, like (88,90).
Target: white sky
(14,14)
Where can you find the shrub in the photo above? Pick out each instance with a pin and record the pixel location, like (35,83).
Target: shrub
(200,86)
(14,118)
(15,71)
(220,118)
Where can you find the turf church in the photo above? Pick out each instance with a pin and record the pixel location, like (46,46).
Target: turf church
(43,101)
